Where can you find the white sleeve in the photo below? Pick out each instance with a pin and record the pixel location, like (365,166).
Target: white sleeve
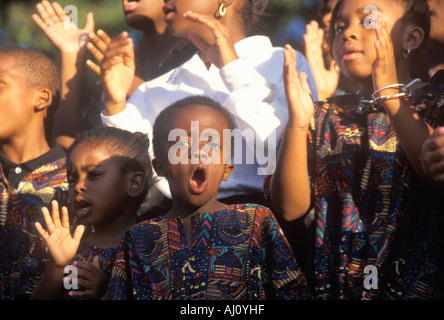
(257,104)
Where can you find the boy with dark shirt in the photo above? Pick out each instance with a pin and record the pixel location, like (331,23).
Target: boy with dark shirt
(31,172)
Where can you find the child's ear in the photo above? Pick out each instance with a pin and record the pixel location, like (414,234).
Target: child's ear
(157,166)
(228,170)
(414,37)
(136,184)
(43,99)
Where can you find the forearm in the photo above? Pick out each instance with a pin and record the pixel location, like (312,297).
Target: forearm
(68,118)
(411,130)
(290,185)
(51,284)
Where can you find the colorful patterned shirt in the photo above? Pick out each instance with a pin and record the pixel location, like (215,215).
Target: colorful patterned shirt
(238,253)
(23,255)
(87,253)
(374,218)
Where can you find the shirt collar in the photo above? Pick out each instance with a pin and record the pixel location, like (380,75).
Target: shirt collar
(54,154)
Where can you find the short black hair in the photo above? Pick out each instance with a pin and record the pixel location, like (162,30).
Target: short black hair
(162,122)
(131,149)
(416,12)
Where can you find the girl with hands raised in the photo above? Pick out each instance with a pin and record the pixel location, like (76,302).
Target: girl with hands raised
(109,174)
(241,72)
(356,161)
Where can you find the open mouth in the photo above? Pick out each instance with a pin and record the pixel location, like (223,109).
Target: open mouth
(130,5)
(198,179)
(82,207)
(350,53)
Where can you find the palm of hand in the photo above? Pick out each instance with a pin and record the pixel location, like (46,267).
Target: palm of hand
(62,246)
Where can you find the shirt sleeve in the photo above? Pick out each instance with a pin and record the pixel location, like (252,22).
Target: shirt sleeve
(288,281)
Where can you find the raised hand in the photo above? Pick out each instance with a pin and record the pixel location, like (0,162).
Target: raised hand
(59,29)
(222,51)
(62,246)
(384,69)
(326,79)
(297,92)
(117,72)
(97,46)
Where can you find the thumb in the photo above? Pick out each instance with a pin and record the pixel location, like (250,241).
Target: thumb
(78,233)
(96,263)
(89,23)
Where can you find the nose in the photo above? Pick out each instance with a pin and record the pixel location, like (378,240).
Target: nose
(350,33)
(80,186)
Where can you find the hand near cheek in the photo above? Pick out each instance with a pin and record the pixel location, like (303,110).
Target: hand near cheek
(222,51)
(384,69)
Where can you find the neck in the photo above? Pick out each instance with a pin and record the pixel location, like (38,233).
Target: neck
(187,210)
(162,42)
(110,235)
(24,148)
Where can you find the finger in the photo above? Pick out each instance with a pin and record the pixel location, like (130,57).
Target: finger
(51,13)
(78,233)
(89,22)
(104,37)
(55,214)
(39,22)
(48,220)
(65,217)
(206,20)
(59,11)
(303,79)
(94,67)
(97,54)
(41,9)
(198,42)
(43,233)
(99,42)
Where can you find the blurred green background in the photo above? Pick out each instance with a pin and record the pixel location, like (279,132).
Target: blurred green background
(284,21)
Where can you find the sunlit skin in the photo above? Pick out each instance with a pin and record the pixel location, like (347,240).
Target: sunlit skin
(98,189)
(194,187)
(373,58)
(21,106)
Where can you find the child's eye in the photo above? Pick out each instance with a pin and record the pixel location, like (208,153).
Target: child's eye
(213,145)
(182,143)
(340,28)
(94,175)
(72,179)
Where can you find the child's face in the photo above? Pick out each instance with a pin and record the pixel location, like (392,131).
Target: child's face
(17,100)
(195,180)
(355,36)
(182,27)
(97,186)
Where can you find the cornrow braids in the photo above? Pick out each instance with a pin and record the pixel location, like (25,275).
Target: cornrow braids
(131,149)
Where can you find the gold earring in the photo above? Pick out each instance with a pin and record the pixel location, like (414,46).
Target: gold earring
(222,10)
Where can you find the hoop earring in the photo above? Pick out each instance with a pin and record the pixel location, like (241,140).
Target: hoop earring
(406,53)
(222,10)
